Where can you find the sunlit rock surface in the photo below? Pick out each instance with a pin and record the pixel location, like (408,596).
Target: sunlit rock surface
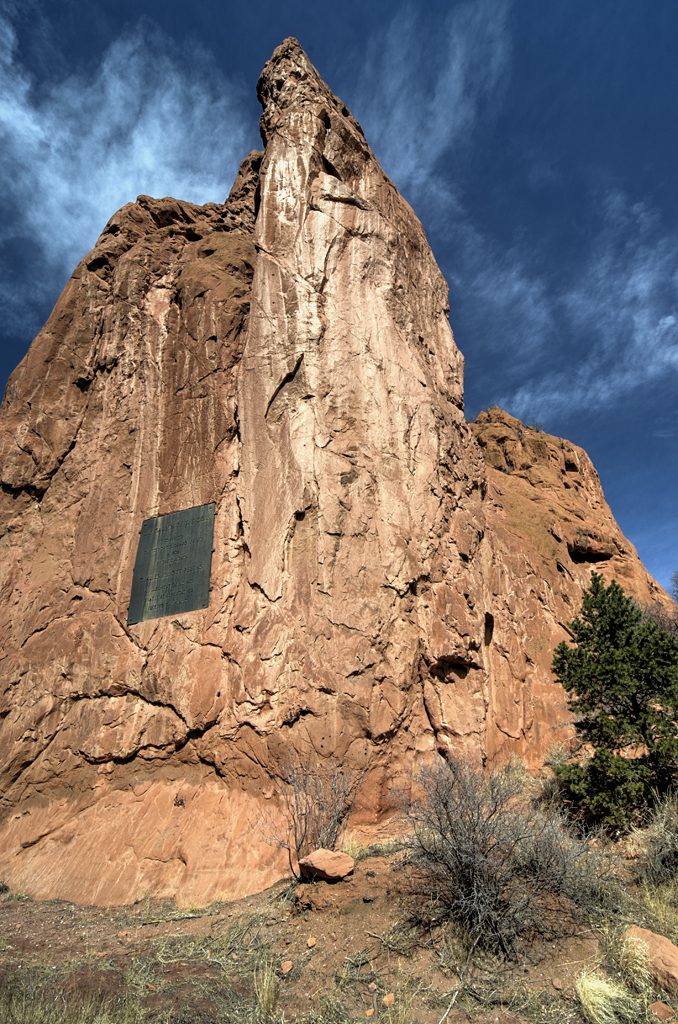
(388,582)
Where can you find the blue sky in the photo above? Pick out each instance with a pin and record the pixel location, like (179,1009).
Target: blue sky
(536,141)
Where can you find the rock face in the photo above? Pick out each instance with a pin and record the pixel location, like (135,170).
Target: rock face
(547,526)
(380,590)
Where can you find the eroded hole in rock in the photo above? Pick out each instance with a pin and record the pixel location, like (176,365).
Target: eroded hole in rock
(98,263)
(330,169)
(489,628)
(445,669)
(583,551)
(589,556)
(348,477)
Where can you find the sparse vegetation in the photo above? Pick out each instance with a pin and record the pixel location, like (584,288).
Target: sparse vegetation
(25,1002)
(497,867)
(315,802)
(266,990)
(658,843)
(628,959)
(490,876)
(622,677)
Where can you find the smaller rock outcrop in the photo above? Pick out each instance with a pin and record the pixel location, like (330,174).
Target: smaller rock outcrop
(547,526)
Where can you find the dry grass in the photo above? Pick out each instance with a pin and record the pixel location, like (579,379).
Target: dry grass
(604,1001)
(240,948)
(26,1004)
(331,1010)
(384,848)
(266,991)
(656,907)
(545,1008)
(628,958)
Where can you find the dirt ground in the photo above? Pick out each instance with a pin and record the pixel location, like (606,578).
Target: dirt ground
(337,953)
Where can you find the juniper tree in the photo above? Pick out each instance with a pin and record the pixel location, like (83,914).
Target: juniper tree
(622,677)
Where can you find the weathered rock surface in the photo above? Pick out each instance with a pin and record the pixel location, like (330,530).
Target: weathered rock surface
(661,1011)
(326,866)
(287,355)
(662,954)
(547,526)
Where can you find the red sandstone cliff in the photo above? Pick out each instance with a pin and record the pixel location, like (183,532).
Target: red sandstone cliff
(380,590)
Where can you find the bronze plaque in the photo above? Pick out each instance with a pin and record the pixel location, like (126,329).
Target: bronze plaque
(174,561)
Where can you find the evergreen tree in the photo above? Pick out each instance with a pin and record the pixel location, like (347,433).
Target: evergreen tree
(622,678)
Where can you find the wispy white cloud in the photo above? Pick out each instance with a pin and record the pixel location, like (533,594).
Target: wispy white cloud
(620,315)
(71,153)
(420,90)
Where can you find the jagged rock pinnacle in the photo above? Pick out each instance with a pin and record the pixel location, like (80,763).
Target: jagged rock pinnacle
(289,79)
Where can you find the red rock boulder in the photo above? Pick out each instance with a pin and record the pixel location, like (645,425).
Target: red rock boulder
(326,866)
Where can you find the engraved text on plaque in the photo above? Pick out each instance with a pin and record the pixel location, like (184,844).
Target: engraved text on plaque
(174,560)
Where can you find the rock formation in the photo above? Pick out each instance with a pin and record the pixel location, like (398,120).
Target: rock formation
(387,580)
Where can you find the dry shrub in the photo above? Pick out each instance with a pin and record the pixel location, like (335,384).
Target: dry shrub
(316,802)
(497,867)
(658,842)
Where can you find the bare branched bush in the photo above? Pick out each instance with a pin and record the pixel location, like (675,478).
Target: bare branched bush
(315,802)
(665,617)
(498,867)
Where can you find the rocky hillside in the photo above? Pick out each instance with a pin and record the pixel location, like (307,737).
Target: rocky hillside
(388,581)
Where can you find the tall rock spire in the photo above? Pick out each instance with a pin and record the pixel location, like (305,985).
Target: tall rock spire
(286,355)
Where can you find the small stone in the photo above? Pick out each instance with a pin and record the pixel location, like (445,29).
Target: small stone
(368,899)
(389,999)
(661,1011)
(286,966)
(371,874)
(311,941)
(372,987)
(370,1012)
(557,983)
